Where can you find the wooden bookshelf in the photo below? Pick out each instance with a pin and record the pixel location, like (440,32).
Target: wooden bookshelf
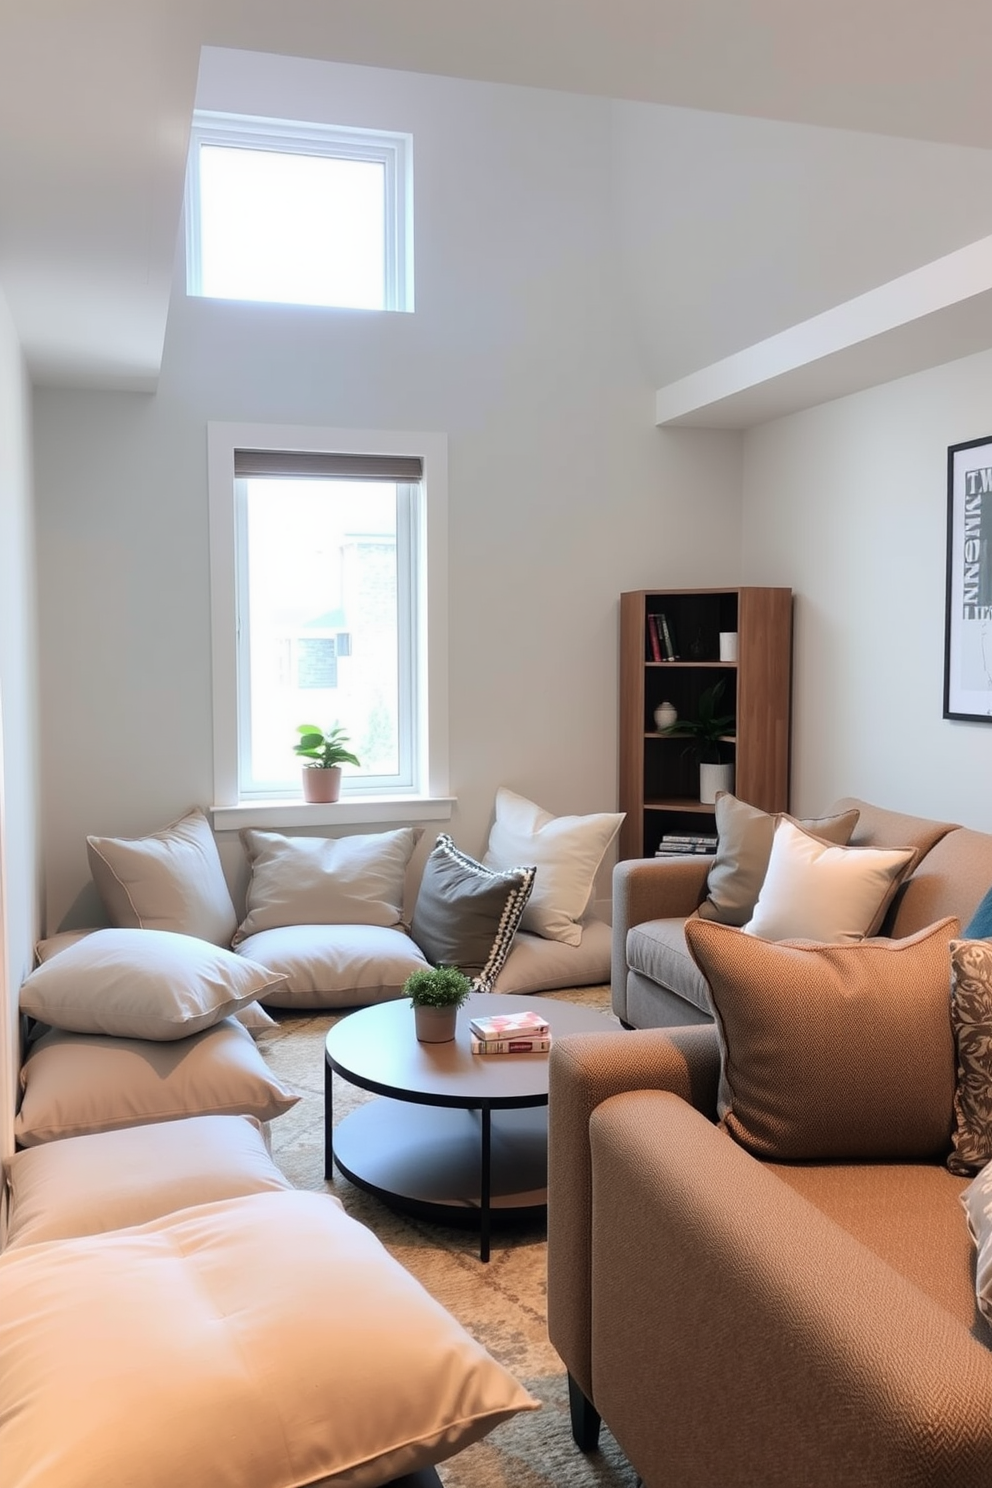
(659,777)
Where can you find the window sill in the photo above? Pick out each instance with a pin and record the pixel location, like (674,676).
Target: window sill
(353,809)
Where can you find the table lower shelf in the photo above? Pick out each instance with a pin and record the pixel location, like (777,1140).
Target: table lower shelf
(425,1160)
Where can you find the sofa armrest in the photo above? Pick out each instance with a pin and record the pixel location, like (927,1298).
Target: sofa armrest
(586,1069)
(651,889)
(715,1281)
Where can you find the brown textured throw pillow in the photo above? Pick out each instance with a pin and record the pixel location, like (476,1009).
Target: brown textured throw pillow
(971,1019)
(744,845)
(832,1051)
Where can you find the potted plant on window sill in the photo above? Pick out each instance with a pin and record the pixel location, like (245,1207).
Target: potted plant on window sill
(324,752)
(708,732)
(436,992)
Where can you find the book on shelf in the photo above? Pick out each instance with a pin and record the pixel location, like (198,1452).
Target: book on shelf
(526,1024)
(524,1045)
(710,838)
(654,639)
(667,642)
(684,850)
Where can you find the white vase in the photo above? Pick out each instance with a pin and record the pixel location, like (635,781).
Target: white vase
(713,778)
(665,715)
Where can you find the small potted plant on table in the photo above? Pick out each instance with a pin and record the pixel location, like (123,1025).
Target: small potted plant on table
(324,752)
(436,992)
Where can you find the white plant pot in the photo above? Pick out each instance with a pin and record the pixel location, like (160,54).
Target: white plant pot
(713,778)
(435,1025)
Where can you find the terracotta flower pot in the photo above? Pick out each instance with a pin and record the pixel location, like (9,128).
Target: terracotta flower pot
(321,785)
(435,1025)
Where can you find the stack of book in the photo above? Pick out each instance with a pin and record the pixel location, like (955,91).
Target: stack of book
(673,845)
(660,641)
(510,1033)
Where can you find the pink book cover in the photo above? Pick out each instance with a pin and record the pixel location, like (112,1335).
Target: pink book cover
(508,1025)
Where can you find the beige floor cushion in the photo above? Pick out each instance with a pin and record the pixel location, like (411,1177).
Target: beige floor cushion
(75,1083)
(334,966)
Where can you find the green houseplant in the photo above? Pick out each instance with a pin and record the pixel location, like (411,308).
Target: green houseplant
(707,733)
(323,751)
(436,993)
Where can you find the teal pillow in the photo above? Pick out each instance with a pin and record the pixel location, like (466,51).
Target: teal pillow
(979,927)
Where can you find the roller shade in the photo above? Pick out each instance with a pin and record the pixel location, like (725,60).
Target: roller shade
(311,464)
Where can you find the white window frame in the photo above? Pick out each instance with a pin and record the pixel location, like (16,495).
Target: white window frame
(427,797)
(285,136)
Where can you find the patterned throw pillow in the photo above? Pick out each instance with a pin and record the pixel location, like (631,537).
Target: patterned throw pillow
(971,1018)
(466,914)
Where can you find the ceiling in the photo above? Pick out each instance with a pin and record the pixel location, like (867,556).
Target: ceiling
(96,98)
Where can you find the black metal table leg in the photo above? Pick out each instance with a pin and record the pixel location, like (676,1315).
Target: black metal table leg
(328,1120)
(485,1185)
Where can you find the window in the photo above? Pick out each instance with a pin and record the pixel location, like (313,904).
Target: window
(299,213)
(322,551)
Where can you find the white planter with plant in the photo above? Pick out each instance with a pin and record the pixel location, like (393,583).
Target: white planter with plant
(436,992)
(324,752)
(709,732)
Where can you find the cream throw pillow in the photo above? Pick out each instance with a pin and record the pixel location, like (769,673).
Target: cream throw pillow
(744,845)
(567,852)
(85,1185)
(814,890)
(171,880)
(271,1333)
(357,880)
(143,984)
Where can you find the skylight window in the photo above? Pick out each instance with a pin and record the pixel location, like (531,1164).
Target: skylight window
(299,214)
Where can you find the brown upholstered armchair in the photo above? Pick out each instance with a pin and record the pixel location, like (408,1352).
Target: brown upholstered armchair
(755,1323)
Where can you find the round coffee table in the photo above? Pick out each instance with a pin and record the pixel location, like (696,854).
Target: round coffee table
(458,1137)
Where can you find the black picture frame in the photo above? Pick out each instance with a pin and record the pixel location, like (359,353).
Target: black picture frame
(968,610)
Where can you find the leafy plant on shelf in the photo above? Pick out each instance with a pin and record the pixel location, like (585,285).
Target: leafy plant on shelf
(321,749)
(437,986)
(708,729)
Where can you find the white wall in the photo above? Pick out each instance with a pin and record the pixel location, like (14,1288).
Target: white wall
(561,491)
(848,503)
(731,229)
(19,871)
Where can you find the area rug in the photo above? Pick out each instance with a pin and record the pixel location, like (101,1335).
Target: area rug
(502,1303)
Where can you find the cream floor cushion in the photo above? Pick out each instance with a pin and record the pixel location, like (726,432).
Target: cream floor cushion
(109,1180)
(536,964)
(268,1341)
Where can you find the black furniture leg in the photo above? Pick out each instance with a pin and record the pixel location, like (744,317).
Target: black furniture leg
(328,1120)
(585,1419)
(485,1184)
(426,1478)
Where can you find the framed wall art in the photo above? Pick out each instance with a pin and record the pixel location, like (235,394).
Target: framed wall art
(968,622)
